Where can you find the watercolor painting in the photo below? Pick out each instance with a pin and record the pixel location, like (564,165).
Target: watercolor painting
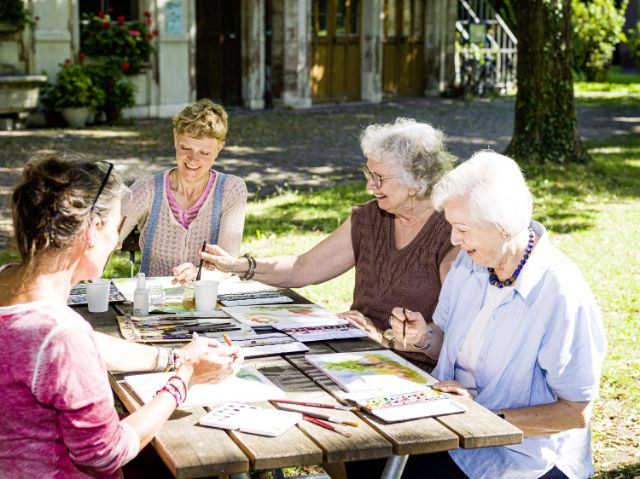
(292,315)
(371,370)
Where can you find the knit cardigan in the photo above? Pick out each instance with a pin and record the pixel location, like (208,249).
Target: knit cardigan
(172,243)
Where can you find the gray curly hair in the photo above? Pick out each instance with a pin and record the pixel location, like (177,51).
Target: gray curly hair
(414,149)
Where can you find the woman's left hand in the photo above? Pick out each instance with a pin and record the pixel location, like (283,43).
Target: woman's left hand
(184,273)
(453,387)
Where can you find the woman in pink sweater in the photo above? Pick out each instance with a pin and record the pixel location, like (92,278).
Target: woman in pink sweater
(53,376)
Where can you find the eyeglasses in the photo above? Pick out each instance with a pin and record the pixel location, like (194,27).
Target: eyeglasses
(103,184)
(374,177)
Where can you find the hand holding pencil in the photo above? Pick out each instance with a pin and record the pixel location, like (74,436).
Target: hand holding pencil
(415,333)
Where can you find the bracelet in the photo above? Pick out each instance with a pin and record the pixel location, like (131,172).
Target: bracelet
(252,267)
(173,390)
(182,383)
(426,347)
(162,360)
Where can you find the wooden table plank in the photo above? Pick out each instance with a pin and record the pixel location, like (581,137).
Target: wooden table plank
(188,449)
(365,443)
(479,427)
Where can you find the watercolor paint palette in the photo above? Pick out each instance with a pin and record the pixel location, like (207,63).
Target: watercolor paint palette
(251,419)
(411,405)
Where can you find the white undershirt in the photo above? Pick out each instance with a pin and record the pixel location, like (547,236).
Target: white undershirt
(468,356)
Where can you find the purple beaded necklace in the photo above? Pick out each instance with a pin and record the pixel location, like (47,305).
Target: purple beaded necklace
(493,277)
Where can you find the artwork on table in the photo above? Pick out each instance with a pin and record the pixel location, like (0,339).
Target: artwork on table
(284,315)
(78,294)
(308,334)
(379,371)
(247,385)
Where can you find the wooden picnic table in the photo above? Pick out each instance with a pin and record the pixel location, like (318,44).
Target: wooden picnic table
(190,450)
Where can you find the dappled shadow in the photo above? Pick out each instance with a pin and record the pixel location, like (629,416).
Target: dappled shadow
(627,471)
(298,149)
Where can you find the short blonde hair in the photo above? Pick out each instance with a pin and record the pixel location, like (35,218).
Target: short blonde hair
(202,119)
(415,150)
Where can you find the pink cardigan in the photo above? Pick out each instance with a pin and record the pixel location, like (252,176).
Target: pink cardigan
(62,420)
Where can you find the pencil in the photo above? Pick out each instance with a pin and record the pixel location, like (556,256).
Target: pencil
(325,417)
(204,247)
(315,404)
(326,425)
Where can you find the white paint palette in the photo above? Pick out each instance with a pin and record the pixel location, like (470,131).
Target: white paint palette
(251,419)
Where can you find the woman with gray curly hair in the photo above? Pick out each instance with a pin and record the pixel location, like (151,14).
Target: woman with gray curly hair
(397,242)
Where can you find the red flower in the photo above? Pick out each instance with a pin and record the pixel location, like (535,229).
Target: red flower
(148,21)
(134,33)
(155,32)
(67,61)
(37,19)
(124,66)
(120,19)
(149,36)
(146,13)
(106,25)
(100,14)
(81,57)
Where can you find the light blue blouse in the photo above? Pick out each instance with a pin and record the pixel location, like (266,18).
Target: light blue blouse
(544,341)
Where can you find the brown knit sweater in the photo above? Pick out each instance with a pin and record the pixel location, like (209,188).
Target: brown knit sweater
(387,277)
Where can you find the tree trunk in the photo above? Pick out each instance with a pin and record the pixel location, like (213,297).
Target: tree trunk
(545,123)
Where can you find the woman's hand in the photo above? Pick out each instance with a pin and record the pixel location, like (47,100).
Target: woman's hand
(360,321)
(206,361)
(215,258)
(422,337)
(453,387)
(184,273)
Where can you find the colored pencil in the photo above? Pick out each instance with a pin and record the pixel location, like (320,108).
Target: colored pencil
(315,404)
(326,425)
(325,417)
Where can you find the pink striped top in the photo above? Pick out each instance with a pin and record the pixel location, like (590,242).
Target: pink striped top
(182,216)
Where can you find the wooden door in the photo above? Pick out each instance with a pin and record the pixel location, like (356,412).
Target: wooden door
(403,48)
(335,67)
(218,60)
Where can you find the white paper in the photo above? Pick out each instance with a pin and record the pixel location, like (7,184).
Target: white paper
(247,385)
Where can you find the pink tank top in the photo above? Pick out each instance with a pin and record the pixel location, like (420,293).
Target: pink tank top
(182,216)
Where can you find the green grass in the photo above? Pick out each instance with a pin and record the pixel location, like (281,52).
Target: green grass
(624,87)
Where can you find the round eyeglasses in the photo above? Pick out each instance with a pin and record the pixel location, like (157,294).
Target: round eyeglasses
(375,178)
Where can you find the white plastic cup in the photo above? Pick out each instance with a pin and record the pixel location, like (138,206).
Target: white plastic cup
(98,295)
(156,293)
(206,294)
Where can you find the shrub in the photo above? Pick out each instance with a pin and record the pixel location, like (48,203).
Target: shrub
(73,88)
(13,12)
(597,29)
(119,91)
(633,42)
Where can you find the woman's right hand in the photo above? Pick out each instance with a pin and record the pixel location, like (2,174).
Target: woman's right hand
(421,336)
(215,257)
(206,361)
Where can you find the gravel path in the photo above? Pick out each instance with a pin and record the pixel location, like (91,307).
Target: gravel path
(299,148)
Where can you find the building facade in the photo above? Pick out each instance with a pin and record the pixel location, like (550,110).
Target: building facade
(259,53)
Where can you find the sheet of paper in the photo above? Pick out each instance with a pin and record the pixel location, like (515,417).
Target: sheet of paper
(380,372)
(289,315)
(308,334)
(247,385)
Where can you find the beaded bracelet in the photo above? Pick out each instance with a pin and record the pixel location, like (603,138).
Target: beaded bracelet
(182,383)
(173,390)
(252,267)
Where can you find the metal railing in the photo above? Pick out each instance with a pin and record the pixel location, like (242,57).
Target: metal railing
(486,50)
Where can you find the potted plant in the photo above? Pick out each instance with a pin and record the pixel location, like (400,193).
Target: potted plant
(73,94)
(119,91)
(14,16)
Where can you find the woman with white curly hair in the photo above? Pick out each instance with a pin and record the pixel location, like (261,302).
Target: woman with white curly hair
(397,242)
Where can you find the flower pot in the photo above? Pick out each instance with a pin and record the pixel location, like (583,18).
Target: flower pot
(76,117)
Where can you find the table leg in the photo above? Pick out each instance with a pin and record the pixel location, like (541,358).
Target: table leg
(394,467)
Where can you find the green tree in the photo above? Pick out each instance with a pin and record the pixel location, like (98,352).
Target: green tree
(545,126)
